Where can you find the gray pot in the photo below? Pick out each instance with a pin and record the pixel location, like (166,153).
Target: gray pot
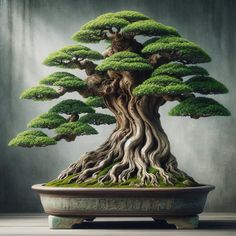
(158,203)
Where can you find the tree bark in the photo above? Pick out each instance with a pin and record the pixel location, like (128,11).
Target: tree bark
(137,145)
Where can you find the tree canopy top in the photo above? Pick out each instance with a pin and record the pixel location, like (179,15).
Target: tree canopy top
(75,128)
(71,106)
(199,107)
(206,85)
(32,138)
(40,93)
(124,61)
(179,70)
(48,120)
(149,28)
(182,51)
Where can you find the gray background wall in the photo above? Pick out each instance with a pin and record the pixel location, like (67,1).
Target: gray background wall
(30,30)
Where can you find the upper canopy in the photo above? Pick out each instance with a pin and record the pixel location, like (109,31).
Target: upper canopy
(129,22)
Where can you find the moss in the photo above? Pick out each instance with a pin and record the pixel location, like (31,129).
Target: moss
(71,84)
(124,61)
(56,76)
(206,85)
(179,70)
(40,93)
(71,106)
(95,101)
(185,52)
(130,183)
(199,107)
(75,128)
(149,28)
(153,89)
(98,119)
(48,120)
(32,138)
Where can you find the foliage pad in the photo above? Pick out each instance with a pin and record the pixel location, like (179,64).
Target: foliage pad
(98,119)
(48,120)
(71,106)
(124,61)
(32,138)
(199,107)
(75,128)
(95,101)
(185,52)
(149,28)
(179,70)
(40,93)
(206,85)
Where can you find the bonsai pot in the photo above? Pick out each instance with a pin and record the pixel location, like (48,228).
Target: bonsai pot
(69,206)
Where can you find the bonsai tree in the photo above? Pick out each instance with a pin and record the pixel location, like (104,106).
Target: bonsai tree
(133,80)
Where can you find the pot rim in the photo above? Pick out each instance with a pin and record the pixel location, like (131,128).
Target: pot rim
(41,188)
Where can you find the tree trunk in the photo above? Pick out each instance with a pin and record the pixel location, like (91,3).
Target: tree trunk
(137,150)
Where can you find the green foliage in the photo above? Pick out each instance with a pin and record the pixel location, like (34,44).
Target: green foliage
(131,16)
(104,22)
(185,52)
(153,89)
(149,28)
(87,36)
(206,85)
(179,70)
(91,31)
(31,138)
(95,101)
(75,128)
(199,107)
(124,61)
(69,56)
(165,39)
(162,80)
(40,93)
(71,106)
(81,52)
(56,76)
(66,80)
(98,119)
(48,120)
(59,59)
(71,84)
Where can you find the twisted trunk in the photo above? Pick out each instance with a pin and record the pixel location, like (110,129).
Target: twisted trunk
(138,150)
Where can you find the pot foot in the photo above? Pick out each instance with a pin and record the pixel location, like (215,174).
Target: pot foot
(180,222)
(59,222)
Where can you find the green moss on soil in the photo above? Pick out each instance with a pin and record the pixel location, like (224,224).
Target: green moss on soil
(130,183)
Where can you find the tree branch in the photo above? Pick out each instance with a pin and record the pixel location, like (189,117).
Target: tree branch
(86,65)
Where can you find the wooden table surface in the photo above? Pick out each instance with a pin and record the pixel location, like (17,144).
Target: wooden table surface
(212,224)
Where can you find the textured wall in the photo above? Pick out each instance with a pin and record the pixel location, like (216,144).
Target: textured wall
(30,30)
